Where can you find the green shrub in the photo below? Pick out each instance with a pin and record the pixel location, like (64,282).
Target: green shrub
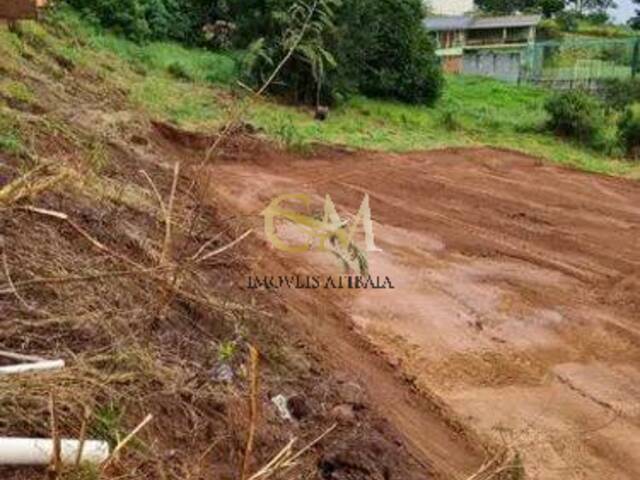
(178,71)
(143,20)
(449,119)
(629,131)
(575,114)
(568,21)
(383,50)
(376,47)
(618,93)
(549,29)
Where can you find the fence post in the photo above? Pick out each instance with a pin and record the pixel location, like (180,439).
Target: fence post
(635,62)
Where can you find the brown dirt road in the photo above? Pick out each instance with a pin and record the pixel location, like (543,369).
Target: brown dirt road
(517,294)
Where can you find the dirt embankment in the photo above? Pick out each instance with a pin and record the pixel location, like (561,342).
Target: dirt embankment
(515,307)
(147,325)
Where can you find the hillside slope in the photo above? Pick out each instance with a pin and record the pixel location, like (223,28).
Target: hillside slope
(197,89)
(114,261)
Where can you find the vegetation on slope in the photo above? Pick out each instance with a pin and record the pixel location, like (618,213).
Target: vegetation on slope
(333,47)
(472,111)
(195,88)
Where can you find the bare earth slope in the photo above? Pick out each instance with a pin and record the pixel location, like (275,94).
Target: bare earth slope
(516,301)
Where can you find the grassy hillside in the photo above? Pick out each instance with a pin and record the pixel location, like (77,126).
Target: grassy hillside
(195,88)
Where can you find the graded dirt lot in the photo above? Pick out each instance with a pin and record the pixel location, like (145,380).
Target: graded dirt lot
(515,308)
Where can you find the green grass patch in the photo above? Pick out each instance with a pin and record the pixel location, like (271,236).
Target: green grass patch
(165,57)
(16,90)
(191,86)
(158,58)
(185,104)
(10,138)
(588,29)
(169,80)
(473,111)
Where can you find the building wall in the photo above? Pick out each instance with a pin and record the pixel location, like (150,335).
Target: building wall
(452,64)
(451,7)
(502,65)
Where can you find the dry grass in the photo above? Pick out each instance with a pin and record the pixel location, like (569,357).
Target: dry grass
(35,181)
(80,290)
(88,259)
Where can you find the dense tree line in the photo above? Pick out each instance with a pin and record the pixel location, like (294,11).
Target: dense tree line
(375,47)
(547,7)
(635,21)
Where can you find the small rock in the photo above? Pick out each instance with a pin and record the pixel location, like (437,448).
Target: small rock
(344,414)
(222,373)
(298,407)
(322,113)
(280,401)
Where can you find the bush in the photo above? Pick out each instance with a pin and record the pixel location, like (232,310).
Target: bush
(549,30)
(599,17)
(568,21)
(376,47)
(144,20)
(618,93)
(178,71)
(575,114)
(384,51)
(629,130)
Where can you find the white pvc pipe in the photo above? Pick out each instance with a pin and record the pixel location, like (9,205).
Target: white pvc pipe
(20,357)
(32,367)
(39,451)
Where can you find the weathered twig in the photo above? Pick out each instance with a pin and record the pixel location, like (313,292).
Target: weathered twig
(14,290)
(285,459)
(20,357)
(127,439)
(166,248)
(56,463)
(228,246)
(32,367)
(84,278)
(253,407)
(83,434)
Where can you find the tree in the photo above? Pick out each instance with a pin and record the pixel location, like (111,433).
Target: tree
(378,48)
(383,50)
(635,21)
(585,6)
(506,7)
(548,8)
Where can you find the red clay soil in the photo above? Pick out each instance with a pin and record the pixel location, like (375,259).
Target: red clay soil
(514,313)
